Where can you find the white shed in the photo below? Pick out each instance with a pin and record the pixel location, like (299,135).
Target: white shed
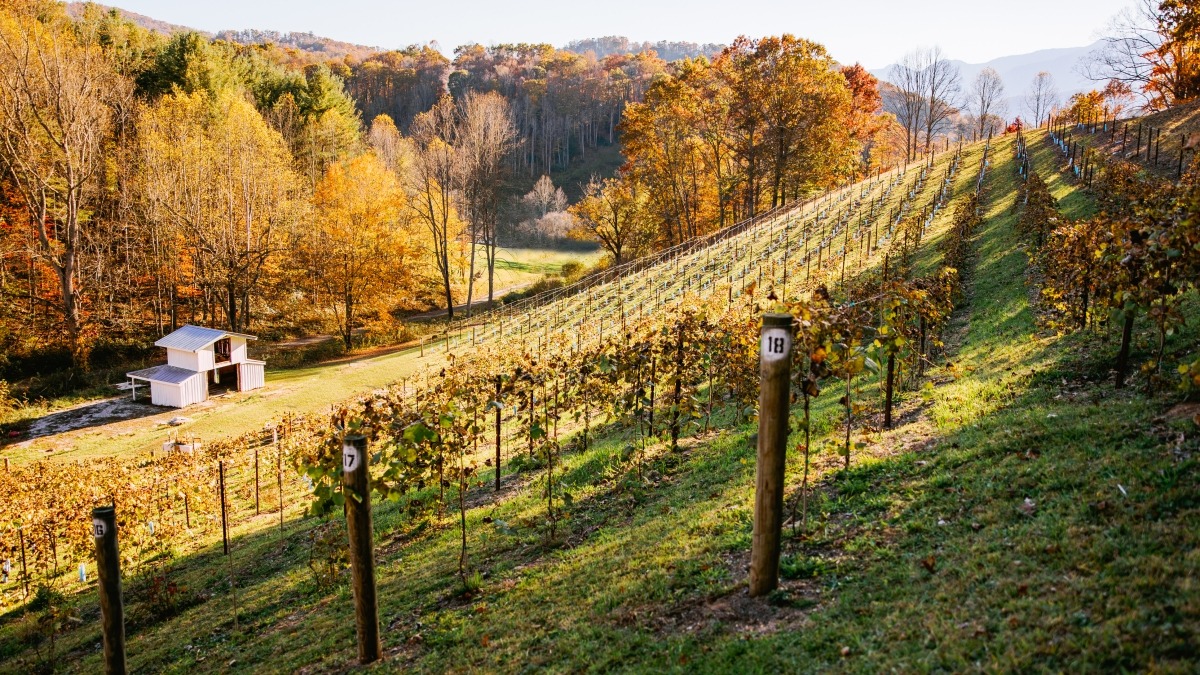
(197,360)
(172,386)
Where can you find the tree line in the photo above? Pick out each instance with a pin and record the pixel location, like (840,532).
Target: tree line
(766,122)
(151,181)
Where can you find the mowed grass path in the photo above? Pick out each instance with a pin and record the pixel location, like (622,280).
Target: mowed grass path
(520,266)
(308,390)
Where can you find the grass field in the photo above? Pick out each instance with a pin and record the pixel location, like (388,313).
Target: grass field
(304,390)
(1022,516)
(520,266)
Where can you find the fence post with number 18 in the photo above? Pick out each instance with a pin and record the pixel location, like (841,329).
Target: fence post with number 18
(773,402)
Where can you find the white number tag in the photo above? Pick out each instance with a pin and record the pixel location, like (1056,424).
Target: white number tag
(351,458)
(99,528)
(776,344)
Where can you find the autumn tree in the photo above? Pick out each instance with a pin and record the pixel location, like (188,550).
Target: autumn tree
(359,257)
(867,124)
(221,180)
(389,146)
(432,182)
(987,99)
(667,156)
(1085,106)
(612,212)
(1042,97)
(485,139)
(1153,48)
(58,93)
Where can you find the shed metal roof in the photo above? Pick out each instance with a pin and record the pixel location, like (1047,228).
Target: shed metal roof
(191,338)
(164,374)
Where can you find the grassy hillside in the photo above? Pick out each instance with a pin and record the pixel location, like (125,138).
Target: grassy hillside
(1022,516)
(302,390)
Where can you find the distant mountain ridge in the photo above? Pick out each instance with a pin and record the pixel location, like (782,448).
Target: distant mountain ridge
(1018,72)
(667,50)
(75,10)
(306,42)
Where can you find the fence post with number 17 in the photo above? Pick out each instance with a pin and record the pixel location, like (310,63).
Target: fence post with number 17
(356,483)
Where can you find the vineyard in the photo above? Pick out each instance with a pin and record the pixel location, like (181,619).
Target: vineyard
(569,487)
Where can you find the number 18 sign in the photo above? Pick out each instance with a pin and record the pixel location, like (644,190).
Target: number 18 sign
(776,344)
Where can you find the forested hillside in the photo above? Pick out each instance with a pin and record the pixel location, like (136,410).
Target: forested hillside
(214,179)
(926,505)
(867,378)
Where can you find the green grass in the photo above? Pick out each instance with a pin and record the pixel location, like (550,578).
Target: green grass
(1023,517)
(302,390)
(519,266)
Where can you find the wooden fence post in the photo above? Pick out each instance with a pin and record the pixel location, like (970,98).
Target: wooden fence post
(224,517)
(24,569)
(278,473)
(256,484)
(773,402)
(499,411)
(108,570)
(356,485)
(678,398)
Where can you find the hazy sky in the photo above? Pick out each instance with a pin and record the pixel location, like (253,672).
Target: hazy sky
(874,32)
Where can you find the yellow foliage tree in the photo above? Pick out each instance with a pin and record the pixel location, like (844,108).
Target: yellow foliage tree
(220,176)
(613,213)
(58,96)
(359,255)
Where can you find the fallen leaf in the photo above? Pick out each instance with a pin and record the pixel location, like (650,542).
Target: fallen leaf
(929,563)
(1028,506)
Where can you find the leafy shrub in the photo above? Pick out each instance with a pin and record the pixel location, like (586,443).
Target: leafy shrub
(48,616)
(164,597)
(540,286)
(7,403)
(572,269)
(327,555)
(802,567)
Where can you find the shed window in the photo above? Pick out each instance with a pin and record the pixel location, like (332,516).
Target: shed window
(222,348)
